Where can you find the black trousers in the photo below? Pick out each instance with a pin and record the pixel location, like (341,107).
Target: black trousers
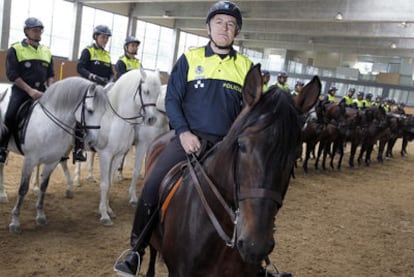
(171,155)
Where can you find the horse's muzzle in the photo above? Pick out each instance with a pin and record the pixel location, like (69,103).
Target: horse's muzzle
(255,252)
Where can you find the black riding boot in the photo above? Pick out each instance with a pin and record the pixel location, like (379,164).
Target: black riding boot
(144,222)
(77,150)
(4,142)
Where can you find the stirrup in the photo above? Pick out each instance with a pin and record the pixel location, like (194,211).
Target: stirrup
(123,255)
(276,273)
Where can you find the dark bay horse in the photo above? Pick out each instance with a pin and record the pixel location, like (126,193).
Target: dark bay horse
(221,219)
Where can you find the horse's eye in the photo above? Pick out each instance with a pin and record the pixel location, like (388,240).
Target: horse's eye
(242,145)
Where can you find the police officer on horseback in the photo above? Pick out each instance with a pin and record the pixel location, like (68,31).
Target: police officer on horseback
(94,64)
(215,103)
(128,61)
(29,65)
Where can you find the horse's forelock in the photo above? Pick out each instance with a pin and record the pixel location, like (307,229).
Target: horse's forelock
(275,116)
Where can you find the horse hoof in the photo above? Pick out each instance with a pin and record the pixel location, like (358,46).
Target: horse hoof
(69,194)
(133,203)
(106,222)
(41,221)
(15,229)
(91,179)
(36,191)
(4,198)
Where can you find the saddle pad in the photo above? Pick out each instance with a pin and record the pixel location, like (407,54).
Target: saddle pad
(169,196)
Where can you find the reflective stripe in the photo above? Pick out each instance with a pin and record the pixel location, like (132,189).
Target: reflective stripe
(229,69)
(99,55)
(27,53)
(131,63)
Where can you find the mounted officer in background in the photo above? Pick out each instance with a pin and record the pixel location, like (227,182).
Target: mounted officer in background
(29,66)
(94,64)
(128,61)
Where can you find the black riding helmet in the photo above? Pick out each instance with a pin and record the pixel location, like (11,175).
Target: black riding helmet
(131,39)
(225,7)
(32,22)
(101,30)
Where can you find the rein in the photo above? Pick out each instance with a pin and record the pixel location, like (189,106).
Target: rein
(240,194)
(141,113)
(64,126)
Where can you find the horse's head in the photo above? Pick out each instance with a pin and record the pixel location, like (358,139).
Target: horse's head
(134,95)
(91,111)
(260,150)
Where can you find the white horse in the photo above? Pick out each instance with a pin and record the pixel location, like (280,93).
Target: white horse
(144,135)
(50,132)
(132,98)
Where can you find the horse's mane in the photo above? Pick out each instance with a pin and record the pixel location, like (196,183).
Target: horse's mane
(274,114)
(128,83)
(65,93)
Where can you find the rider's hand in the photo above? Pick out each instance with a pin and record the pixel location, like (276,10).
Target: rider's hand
(99,80)
(189,142)
(35,94)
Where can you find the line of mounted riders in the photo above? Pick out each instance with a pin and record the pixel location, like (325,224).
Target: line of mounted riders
(358,122)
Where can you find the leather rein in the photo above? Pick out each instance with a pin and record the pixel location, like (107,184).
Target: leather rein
(240,194)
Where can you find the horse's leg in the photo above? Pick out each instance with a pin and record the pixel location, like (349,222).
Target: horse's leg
(105,161)
(340,146)
(361,153)
(120,169)
(381,147)
(3,193)
(320,148)
(404,144)
(326,151)
(69,182)
(370,147)
(76,174)
(307,156)
(14,226)
(91,160)
(352,154)
(140,149)
(44,182)
(35,179)
(151,264)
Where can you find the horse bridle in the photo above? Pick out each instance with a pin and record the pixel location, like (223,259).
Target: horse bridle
(141,112)
(240,194)
(65,127)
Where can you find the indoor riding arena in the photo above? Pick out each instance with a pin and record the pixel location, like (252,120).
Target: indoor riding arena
(356,220)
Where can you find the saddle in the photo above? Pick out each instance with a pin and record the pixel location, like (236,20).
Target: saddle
(22,118)
(173,179)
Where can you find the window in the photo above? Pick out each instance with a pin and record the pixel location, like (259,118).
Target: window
(56,16)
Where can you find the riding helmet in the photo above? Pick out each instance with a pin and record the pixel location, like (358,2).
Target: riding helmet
(101,30)
(131,39)
(361,93)
(282,74)
(225,7)
(265,73)
(369,95)
(32,22)
(352,90)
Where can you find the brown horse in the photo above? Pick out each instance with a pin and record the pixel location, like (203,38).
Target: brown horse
(220,221)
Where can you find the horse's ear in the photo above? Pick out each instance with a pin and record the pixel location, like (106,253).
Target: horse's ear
(253,86)
(310,94)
